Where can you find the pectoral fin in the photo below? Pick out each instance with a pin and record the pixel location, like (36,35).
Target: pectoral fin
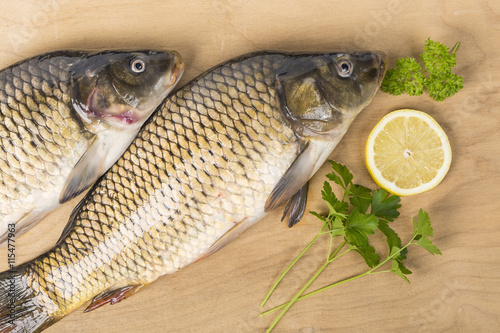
(296,206)
(294,178)
(24,224)
(113,296)
(224,240)
(88,169)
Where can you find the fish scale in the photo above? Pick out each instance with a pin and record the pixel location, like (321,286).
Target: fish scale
(199,172)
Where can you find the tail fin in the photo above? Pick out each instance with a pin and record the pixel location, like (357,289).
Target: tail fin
(20,310)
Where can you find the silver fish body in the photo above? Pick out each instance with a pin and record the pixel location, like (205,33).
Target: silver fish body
(65,117)
(234,143)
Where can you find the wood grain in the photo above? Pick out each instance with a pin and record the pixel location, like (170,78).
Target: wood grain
(455,292)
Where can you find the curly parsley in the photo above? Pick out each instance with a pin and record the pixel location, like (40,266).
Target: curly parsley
(409,77)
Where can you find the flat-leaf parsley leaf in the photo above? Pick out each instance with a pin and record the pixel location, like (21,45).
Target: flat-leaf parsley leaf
(353,225)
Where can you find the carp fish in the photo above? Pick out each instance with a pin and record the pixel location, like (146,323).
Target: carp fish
(65,118)
(236,142)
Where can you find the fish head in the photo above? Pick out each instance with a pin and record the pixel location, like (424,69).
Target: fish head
(320,95)
(123,88)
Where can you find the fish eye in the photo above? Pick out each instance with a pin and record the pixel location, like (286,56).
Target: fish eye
(344,68)
(137,66)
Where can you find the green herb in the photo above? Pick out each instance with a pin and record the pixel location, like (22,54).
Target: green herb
(408,76)
(354,225)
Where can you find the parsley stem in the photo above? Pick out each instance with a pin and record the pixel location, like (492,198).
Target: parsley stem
(455,48)
(290,266)
(329,248)
(371,271)
(334,254)
(311,280)
(378,272)
(316,291)
(392,255)
(296,297)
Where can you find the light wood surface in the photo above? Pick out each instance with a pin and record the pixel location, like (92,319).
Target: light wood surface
(456,292)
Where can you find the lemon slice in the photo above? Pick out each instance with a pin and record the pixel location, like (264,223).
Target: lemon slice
(407,152)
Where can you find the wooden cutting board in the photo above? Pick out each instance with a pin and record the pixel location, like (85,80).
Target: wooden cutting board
(455,292)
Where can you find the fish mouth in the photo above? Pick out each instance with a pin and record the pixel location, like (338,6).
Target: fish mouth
(381,57)
(176,71)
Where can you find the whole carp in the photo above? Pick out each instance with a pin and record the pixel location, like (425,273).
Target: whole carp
(65,118)
(234,143)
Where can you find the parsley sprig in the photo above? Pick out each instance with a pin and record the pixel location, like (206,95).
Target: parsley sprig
(354,224)
(409,77)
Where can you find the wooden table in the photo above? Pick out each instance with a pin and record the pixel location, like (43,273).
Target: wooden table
(456,292)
